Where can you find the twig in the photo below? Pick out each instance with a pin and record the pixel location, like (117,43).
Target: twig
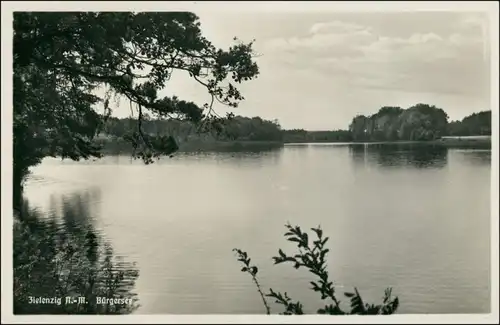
(254,278)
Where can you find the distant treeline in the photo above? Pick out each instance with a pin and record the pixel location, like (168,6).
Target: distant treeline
(418,123)
(299,135)
(475,124)
(235,128)
(221,134)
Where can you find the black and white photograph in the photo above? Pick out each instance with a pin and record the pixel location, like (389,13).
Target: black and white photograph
(287,161)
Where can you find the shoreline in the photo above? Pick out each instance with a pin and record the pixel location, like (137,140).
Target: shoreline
(120,146)
(480,143)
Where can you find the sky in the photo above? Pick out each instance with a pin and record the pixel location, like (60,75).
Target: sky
(320,69)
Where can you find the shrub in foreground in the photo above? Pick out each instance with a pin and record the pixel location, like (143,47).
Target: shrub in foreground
(312,256)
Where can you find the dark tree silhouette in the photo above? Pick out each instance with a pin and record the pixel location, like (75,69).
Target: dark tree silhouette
(62,58)
(474,124)
(420,122)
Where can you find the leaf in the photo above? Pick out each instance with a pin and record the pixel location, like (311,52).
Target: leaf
(324,241)
(349,294)
(395,304)
(357,304)
(387,294)
(323,254)
(315,286)
(319,232)
(244,269)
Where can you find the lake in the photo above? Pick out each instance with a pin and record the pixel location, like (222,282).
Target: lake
(416,219)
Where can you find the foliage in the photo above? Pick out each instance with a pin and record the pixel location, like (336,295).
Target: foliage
(230,128)
(474,124)
(62,60)
(252,129)
(70,262)
(420,122)
(299,136)
(312,256)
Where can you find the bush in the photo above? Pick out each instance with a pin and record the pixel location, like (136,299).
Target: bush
(313,258)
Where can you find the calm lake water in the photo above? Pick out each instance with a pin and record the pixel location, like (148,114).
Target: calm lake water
(416,220)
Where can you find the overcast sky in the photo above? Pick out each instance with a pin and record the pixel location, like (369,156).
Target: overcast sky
(318,70)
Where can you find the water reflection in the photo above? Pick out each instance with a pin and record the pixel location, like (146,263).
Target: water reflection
(268,153)
(254,155)
(474,157)
(73,210)
(60,255)
(399,155)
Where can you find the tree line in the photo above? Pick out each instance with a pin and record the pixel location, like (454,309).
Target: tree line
(230,128)
(421,122)
(474,124)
